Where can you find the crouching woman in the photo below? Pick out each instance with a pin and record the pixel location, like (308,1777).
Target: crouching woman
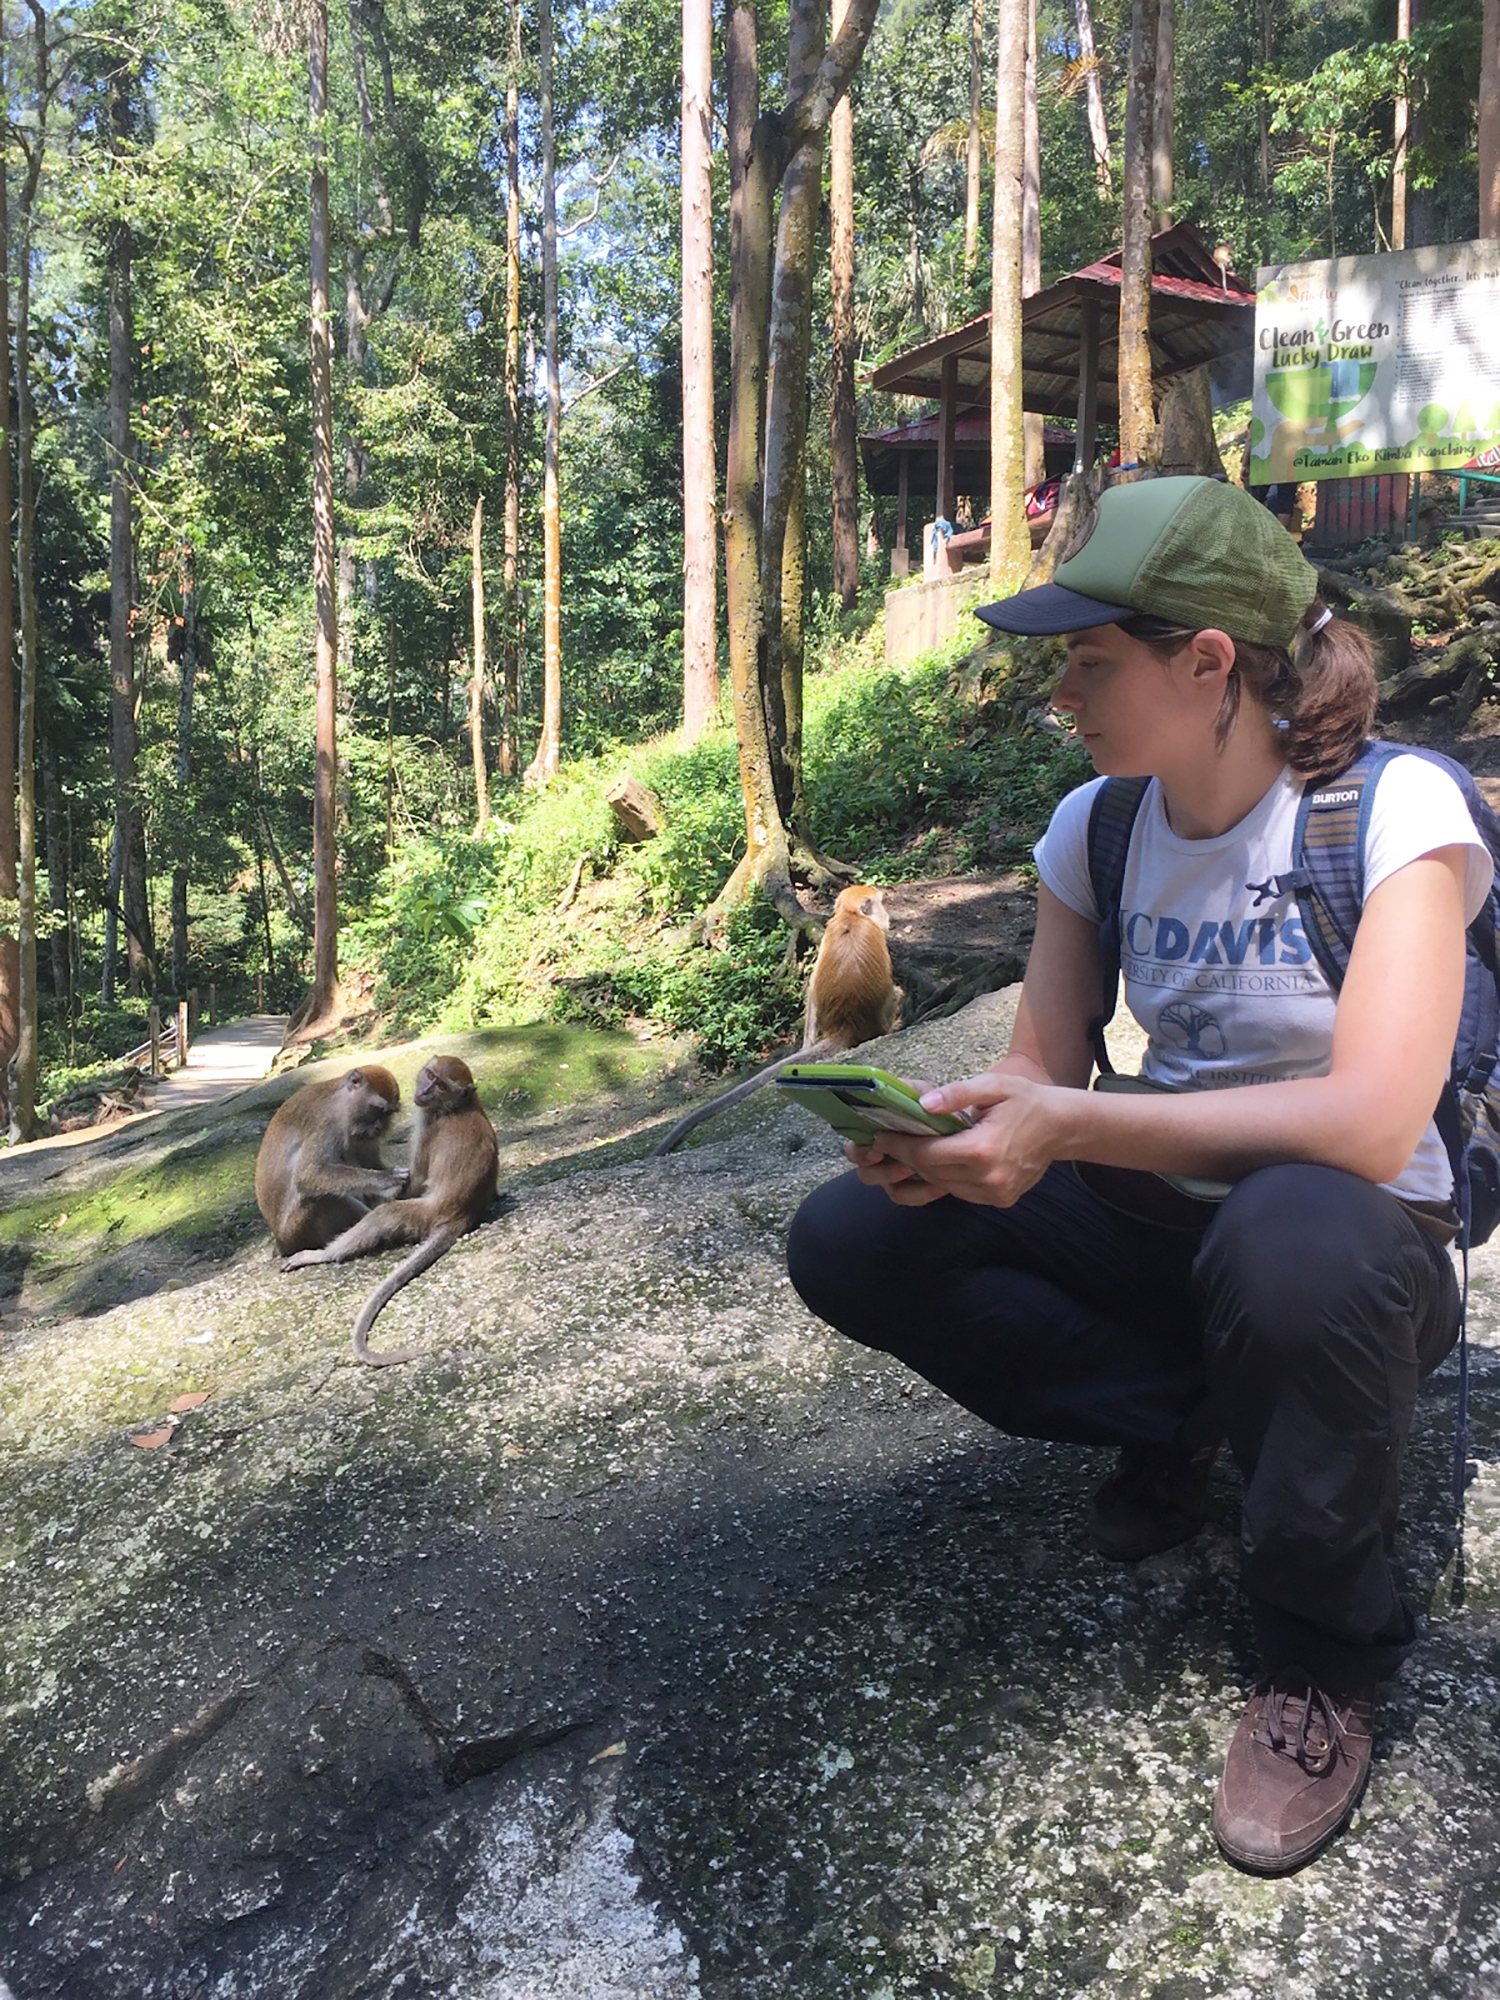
(1022,1266)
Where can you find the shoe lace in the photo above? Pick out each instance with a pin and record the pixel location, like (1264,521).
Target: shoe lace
(1301,1721)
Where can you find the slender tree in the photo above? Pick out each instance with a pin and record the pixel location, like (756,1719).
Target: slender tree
(769,334)
(1164,114)
(1093,97)
(1138,440)
(844,444)
(10,966)
(700,593)
(974,139)
(1400,132)
(1033,424)
(1489,122)
(1010,539)
(183,647)
(510,699)
(23,1066)
(323,999)
(127,863)
(476,677)
(548,755)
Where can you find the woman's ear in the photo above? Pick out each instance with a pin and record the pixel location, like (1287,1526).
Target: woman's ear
(1212,653)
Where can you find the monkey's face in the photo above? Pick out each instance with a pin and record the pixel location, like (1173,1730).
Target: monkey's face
(373,1096)
(444,1084)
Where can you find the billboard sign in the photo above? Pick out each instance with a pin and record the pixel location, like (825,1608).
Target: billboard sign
(1376,364)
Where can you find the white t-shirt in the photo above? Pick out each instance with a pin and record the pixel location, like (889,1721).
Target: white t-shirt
(1217,967)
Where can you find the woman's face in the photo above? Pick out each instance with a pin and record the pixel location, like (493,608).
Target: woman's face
(1136,713)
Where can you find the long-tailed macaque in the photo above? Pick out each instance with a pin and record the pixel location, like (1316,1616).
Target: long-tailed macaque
(319,1167)
(851,998)
(454,1167)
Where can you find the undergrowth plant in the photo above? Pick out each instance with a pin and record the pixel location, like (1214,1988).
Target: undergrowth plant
(552,913)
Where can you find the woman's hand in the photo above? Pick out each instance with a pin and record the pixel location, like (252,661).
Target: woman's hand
(1019,1126)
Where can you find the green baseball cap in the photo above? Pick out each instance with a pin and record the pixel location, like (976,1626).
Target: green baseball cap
(1196,551)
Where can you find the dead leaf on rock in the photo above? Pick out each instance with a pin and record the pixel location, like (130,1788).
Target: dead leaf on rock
(609,1750)
(193,1401)
(152,1440)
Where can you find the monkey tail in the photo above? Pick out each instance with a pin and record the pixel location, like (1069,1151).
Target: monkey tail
(426,1253)
(810,1052)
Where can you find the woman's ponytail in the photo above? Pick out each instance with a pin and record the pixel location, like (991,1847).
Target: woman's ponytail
(1335,694)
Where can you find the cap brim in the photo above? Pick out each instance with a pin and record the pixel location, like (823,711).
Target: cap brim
(1050,608)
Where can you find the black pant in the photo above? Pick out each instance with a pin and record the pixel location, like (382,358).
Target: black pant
(1298,1325)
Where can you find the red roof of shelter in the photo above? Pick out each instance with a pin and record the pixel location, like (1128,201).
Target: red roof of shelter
(1198,313)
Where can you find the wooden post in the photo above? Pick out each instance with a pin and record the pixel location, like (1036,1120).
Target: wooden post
(153,1016)
(1088,387)
(195,1009)
(947,499)
(182,1034)
(260,993)
(212,1006)
(901,555)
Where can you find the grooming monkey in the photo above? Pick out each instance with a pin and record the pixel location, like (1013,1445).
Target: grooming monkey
(319,1167)
(851,998)
(455,1162)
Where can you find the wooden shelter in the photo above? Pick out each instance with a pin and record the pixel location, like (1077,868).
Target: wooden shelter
(1200,312)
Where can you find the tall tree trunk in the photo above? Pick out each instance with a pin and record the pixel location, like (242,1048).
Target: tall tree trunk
(59,871)
(10,966)
(476,679)
(187,685)
(323,999)
(23,1065)
(769,342)
(700,556)
(1010,538)
(127,854)
(754,169)
(1138,441)
(1400,123)
(1164,115)
(974,144)
(123,573)
(1033,424)
(844,443)
(1489,122)
(548,755)
(1421,202)
(1093,97)
(782,565)
(510,699)
(1266,48)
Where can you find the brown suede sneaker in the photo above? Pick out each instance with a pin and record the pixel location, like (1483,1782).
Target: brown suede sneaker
(1155,1498)
(1294,1773)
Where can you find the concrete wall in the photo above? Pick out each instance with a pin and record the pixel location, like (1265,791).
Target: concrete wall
(920,616)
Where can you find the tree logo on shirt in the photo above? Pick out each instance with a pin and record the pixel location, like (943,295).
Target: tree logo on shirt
(1191,1028)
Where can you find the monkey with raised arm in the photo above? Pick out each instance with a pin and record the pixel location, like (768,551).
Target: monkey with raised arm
(319,1167)
(851,998)
(455,1163)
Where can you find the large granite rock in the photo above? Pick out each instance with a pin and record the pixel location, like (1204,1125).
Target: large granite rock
(646,1639)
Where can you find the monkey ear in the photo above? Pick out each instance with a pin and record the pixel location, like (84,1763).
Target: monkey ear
(354,1079)
(867,906)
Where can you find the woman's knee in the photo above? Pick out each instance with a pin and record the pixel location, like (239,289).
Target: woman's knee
(1298,1249)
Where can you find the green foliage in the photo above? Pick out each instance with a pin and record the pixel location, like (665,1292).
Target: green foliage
(738,998)
(548,913)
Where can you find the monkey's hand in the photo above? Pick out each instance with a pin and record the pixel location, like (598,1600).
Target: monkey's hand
(1018,1128)
(301,1257)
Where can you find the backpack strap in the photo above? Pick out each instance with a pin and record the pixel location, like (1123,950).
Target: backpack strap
(1112,817)
(1328,858)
